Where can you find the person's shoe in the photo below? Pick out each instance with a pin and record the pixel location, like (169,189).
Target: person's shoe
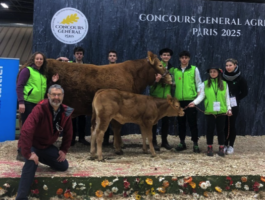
(156,147)
(221,151)
(166,145)
(83,141)
(230,150)
(196,149)
(181,147)
(210,151)
(225,149)
(20,157)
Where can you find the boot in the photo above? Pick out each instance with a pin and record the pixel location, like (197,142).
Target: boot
(165,144)
(156,147)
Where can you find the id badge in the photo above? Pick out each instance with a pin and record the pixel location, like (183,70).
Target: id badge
(216,106)
(233,102)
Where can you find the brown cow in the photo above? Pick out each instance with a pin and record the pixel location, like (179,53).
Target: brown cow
(82,81)
(125,107)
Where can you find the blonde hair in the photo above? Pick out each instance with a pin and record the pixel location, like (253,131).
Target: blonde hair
(232,60)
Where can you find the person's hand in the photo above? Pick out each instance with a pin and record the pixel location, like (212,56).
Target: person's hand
(191,104)
(63,59)
(61,157)
(21,108)
(158,77)
(55,77)
(229,113)
(34,157)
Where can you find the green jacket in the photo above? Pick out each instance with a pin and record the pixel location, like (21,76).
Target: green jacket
(214,94)
(36,86)
(185,83)
(160,90)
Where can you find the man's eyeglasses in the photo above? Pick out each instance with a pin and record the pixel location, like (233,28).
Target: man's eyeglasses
(54,95)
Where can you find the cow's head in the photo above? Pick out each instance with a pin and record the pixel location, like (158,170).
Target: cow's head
(156,64)
(175,106)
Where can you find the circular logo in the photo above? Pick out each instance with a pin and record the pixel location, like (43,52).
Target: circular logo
(69,25)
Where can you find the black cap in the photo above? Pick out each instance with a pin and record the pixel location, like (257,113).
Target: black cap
(217,68)
(166,50)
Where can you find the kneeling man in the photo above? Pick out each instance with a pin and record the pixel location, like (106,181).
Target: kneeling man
(43,126)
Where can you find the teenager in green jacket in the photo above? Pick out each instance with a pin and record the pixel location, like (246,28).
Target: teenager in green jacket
(161,90)
(187,80)
(215,93)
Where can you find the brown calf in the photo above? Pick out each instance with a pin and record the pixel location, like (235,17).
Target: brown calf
(125,107)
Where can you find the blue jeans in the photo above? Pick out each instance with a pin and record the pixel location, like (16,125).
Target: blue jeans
(46,156)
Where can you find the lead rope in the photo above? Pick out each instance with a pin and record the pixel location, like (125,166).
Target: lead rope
(228,131)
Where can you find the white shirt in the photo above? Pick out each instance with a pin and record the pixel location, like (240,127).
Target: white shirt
(202,96)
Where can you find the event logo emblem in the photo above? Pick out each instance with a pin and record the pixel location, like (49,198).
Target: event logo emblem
(69,25)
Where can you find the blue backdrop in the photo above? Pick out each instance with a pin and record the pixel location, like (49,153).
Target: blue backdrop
(212,31)
(8,98)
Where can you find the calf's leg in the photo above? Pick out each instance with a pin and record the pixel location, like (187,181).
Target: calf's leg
(116,127)
(147,132)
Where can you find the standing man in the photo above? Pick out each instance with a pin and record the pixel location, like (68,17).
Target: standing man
(188,80)
(161,90)
(112,58)
(79,123)
(43,126)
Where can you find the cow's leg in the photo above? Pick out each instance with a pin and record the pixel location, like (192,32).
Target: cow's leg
(146,131)
(116,127)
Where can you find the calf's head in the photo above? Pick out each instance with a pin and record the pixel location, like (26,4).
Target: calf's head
(167,79)
(175,109)
(156,64)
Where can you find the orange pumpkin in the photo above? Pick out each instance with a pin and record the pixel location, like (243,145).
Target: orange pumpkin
(59,191)
(67,194)
(187,180)
(105,183)
(193,185)
(99,193)
(218,189)
(262,178)
(165,184)
(161,190)
(244,179)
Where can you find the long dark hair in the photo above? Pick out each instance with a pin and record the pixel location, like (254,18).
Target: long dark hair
(219,80)
(31,61)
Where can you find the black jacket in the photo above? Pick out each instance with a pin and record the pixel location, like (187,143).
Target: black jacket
(238,88)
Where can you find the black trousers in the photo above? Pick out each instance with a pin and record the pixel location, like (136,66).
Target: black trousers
(28,108)
(79,125)
(232,122)
(191,117)
(46,156)
(164,129)
(219,123)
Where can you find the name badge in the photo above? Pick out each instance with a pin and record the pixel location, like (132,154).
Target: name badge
(233,102)
(216,106)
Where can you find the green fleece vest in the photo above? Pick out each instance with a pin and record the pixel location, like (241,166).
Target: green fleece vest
(185,83)
(160,90)
(36,86)
(214,94)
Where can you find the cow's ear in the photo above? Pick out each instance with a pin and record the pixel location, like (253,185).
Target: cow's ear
(151,57)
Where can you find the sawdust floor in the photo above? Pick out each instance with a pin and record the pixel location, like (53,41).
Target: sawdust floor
(248,159)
